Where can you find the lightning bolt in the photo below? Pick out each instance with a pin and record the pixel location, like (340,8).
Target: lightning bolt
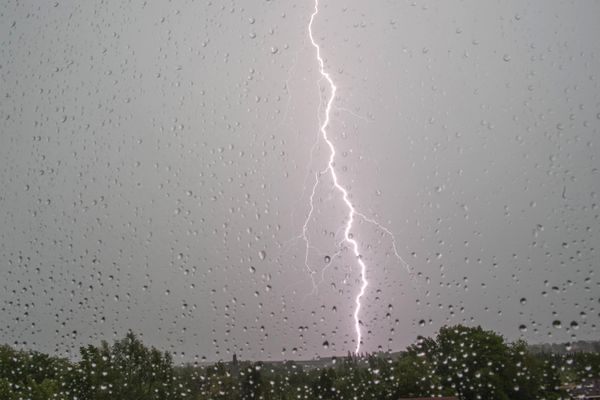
(331,170)
(353,213)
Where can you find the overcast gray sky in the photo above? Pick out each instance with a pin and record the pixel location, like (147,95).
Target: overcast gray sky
(155,165)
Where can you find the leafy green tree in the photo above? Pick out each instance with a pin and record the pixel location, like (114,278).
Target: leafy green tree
(219,384)
(323,387)
(47,389)
(585,365)
(465,361)
(127,370)
(33,375)
(479,364)
(97,375)
(6,390)
(414,376)
(252,383)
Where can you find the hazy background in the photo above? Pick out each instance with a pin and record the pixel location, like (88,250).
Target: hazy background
(156,162)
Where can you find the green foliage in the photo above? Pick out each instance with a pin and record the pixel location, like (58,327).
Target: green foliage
(474,363)
(127,370)
(471,363)
(415,376)
(33,375)
(219,384)
(584,365)
(252,384)
(323,387)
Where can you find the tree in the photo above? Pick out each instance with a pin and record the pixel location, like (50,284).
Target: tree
(252,384)
(323,387)
(127,370)
(478,364)
(219,384)
(414,376)
(33,375)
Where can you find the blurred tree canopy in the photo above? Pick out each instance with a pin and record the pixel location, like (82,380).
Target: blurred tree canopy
(468,362)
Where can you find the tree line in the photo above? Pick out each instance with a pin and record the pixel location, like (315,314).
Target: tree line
(468,362)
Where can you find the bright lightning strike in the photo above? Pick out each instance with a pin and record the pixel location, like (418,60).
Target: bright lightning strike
(351,210)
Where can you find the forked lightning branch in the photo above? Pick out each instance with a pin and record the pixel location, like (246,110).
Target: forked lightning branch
(353,213)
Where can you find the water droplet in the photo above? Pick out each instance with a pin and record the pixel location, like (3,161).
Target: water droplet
(574,325)
(262,255)
(557,324)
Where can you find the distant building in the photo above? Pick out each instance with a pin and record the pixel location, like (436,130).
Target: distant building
(587,390)
(430,398)
(235,366)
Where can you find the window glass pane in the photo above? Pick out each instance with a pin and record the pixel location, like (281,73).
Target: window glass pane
(344,197)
